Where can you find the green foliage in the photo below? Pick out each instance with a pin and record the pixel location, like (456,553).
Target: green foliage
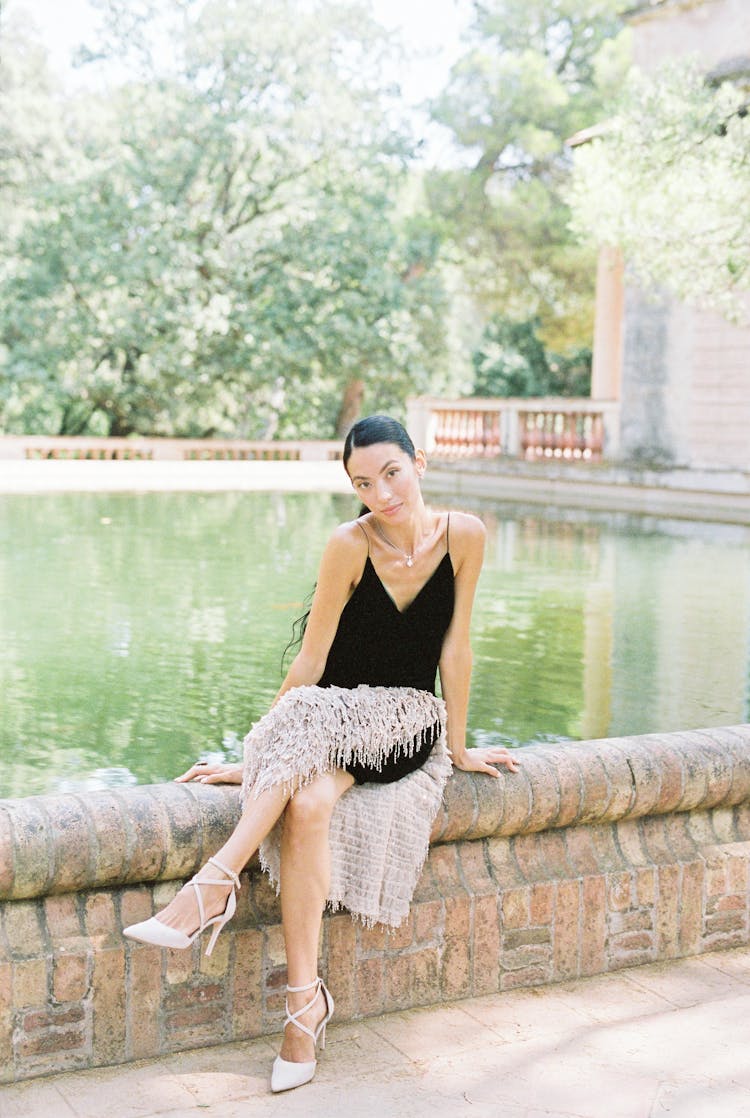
(512,360)
(537,72)
(668,181)
(217,248)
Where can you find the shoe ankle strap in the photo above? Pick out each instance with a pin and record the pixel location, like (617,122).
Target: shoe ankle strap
(300,989)
(233,877)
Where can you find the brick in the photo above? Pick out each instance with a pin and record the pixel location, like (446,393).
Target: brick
(503,865)
(70,981)
(455,977)
(109,1006)
(691,908)
(716,876)
(403,936)
(738,865)
(486,946)
(523,937)
(217,964)
(463,809)
(520,958)
(22,921)
(570,787)
(646,769)
(180,996)
(444,866)
(52,1041)
(593,926)
(341,948)
(655,840)
(541,902)
(638,919)
(29,983)
(566,941)
(180,965)
(474,868)
(729,903)
(426,976)
(72,842)
(31,847)
(668,912)
(645,886)
(62,918)
(619,892)
(148,827)
(632,941)
(100,915)
(428,921)
(108,812)
(372,939)
(725,922)
(457,917)
(246,988)
(722,822)
(275,952)
(135,905)
(6,1020)
(52,1016)
(545,791)
(490,796)
(672,767)
(604,845)
(580,851)
(518,804)
(195,1015)
(619,781)
(143,1003)
(529,855)
(398,975)
(630,840)
(371,986)
(534,975)
(553,857)
(515,908)
(183,820)
(597,788)
(261,897)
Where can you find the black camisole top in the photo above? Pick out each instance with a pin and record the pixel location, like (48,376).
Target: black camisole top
(378,644)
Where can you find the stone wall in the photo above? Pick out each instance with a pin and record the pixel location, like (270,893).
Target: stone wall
(597,855)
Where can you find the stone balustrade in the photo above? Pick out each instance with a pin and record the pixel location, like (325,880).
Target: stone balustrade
(596,855)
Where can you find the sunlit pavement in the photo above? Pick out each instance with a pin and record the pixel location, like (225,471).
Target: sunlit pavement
(666,1039)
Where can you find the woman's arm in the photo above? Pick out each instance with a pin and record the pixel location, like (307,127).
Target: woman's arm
(467,536)
(340,568)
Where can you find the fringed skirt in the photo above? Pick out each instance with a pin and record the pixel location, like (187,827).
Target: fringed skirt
(380,833)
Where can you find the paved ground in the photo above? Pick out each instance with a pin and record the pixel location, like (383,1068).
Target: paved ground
(662,1040)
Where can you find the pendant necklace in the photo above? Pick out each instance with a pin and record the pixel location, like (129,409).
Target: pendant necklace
(408,556)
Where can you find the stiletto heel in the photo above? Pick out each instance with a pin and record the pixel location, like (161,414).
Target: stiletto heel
(287,1074)
(154,932)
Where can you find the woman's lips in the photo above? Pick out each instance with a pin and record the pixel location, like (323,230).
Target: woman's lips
(391,509)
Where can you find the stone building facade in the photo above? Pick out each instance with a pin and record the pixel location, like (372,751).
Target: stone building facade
(682,375)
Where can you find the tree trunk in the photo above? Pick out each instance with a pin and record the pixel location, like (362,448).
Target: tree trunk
(351,406)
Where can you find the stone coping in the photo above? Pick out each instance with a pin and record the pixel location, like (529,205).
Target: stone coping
(68,842)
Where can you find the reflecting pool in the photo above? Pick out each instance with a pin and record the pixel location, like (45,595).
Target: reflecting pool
(142,631)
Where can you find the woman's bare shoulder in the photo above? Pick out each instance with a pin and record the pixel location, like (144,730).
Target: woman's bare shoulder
(466,528)
(347,541)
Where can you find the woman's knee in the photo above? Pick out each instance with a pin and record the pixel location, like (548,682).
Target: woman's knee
(310,806)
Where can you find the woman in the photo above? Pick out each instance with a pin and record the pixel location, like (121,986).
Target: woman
(344,776)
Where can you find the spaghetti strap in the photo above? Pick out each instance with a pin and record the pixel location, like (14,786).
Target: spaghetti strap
(448,535)
(364,533)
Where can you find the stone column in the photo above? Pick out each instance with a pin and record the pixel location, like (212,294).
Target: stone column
(607,363)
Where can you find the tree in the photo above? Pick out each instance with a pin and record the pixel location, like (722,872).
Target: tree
(220,250)
(668,181)
(511,360)
(537,72)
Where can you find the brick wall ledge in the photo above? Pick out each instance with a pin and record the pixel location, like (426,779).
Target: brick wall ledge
(693,493)
(597,855)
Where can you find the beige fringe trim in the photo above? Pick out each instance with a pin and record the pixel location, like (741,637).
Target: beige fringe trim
(379,835)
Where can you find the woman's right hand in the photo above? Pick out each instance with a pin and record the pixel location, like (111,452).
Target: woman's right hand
(209,772)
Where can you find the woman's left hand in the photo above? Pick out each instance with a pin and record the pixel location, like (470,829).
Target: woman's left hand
(483,760)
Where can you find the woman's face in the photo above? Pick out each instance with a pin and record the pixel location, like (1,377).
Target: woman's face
(386,479)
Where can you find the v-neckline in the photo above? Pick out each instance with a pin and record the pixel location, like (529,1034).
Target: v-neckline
(421,590)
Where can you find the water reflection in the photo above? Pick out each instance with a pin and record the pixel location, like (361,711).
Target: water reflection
(140,632)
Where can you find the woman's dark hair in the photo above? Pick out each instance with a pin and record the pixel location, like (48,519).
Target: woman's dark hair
(377,429)
(365,432)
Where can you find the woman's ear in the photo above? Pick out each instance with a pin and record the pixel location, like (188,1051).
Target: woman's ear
(420,462)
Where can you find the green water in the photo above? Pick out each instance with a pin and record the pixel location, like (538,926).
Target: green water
(139,632)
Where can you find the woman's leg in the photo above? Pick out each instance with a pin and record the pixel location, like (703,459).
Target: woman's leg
(256,821)
(305,880)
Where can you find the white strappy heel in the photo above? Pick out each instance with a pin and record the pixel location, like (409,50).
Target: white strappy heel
(286,1073)
(156,933)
